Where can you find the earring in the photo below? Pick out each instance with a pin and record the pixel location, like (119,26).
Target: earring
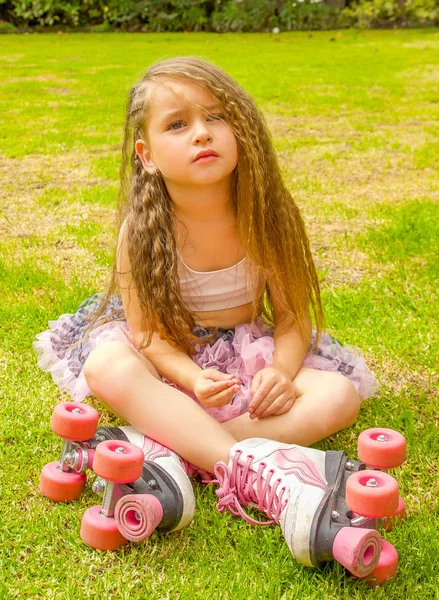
(155,171)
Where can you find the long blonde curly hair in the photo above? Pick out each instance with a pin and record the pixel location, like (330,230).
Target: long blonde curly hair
(269,224)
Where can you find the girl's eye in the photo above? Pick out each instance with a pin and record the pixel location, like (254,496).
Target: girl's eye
(172,125)
(217,117)
(176,124)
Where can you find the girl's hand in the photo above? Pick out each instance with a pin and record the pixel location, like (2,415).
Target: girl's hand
(214,389)
(273,393)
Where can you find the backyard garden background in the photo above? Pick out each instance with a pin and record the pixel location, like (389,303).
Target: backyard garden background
(213,15)
(355,120)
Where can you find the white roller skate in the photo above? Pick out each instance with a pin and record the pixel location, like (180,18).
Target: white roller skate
(304,491)
(163,476)
(144,484)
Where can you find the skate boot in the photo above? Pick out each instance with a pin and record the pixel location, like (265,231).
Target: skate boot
(304,491)
(144,485)
(163,477)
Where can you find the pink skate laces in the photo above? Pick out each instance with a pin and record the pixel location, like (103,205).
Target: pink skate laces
(240,486)
(193,471)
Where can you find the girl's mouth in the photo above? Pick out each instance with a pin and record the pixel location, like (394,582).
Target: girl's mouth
(204,159)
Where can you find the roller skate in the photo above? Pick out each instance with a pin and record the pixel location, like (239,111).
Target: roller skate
(144,484)
(328,506)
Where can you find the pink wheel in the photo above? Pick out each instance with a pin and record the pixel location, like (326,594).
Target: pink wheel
(386,567)
(357,549)
(60,486)
(381,448)
(100,532)
(118,461)
(137,515)
(396,517)
(372,494)
(74,421)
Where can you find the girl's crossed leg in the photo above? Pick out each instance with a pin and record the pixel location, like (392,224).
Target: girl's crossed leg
(326,402)
(130,386)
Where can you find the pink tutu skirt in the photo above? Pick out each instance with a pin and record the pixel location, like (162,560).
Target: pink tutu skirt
(242,352)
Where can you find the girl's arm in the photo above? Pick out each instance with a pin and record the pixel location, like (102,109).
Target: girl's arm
(289,346)
(272,388)
(170,362)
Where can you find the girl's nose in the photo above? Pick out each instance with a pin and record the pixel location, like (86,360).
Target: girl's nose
(201,133)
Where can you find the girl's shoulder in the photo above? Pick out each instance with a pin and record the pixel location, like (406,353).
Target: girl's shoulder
(122,236)
(122,258)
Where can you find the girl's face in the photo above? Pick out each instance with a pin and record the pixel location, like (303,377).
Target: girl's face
(179,130)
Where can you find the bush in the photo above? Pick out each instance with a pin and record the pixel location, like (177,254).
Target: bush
(370,13)
(245,15)
(214,15)
(45,12)
(421,12)
(183,15)
(6,27)
(307,14)
(384,13)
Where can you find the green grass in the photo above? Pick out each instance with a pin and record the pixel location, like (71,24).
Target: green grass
(355,120)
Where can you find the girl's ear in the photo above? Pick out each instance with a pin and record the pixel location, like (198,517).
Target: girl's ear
(145,156)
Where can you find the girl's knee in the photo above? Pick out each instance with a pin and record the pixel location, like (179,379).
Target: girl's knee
(105,365)
(346,400)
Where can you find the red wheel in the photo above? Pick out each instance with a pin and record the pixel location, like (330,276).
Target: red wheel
(137,515)
(372,494)
(74,421)
(396,517)
(381,448)
(100,532)
(387,566)
(118,461)
(60,486)
(357,549)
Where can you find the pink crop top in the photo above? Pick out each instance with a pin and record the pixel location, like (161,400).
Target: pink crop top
(217,290)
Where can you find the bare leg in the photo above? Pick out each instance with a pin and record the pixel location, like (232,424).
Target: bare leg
(326,403)
(130,386)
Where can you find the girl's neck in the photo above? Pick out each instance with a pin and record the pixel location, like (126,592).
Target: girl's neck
(204,204)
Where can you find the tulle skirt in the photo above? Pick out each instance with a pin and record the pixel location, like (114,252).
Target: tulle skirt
(62,351)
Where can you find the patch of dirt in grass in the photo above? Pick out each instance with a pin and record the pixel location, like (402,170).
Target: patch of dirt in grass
(430,44)
(33,172)
(399,378)
(426,73)
(11,57)
(22,182)
(335,255)
(65,59)
(95,70)
(59,91)
(333,178)
(48,77)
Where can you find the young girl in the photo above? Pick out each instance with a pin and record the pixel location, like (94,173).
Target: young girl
(208,342)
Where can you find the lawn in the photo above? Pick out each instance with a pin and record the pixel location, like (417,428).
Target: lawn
(355,120)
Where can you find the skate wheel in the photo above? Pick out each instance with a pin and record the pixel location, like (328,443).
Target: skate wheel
(357,549)
(137,515)
(74,421)
(100,532)
(372,494)
(381,448)
(386,567)
(118,461)
(60,486)
(397,516)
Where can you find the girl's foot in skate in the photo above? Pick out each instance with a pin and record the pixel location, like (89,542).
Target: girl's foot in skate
(163,476)
(298,488)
